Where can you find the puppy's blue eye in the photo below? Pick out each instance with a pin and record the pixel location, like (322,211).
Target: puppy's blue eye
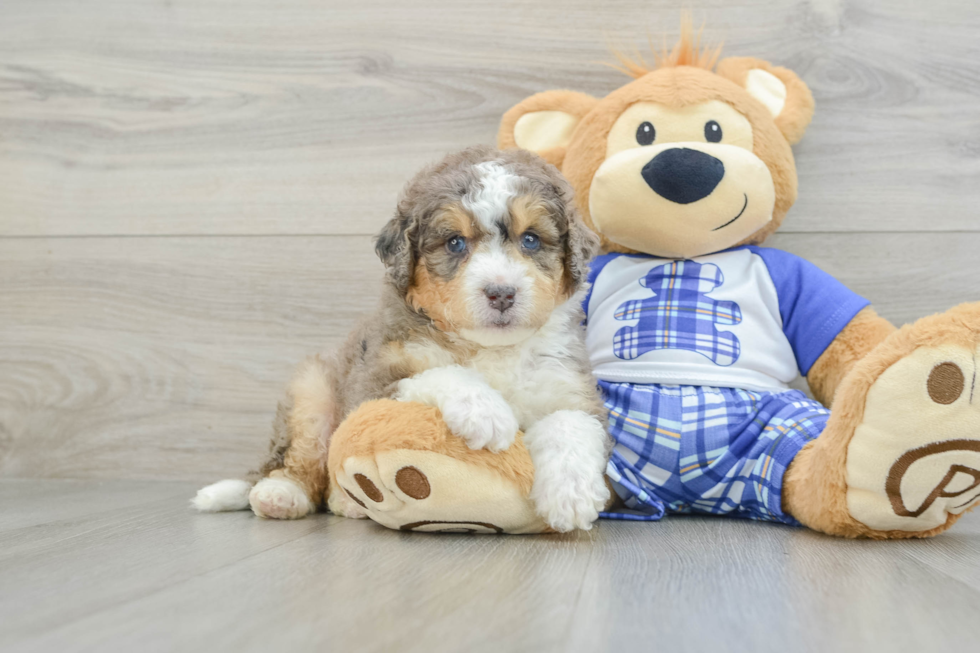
(456,244)
(530,241)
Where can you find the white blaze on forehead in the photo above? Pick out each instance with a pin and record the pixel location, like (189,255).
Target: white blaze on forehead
(489,202)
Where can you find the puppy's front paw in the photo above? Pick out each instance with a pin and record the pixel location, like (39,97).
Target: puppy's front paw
(279,498)
(569,503)
(482,418)
(470,407)
(568,450)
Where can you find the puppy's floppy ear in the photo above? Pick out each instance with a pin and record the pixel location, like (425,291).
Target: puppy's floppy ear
(581,246)
(780,90)
(395,249)
(543,123)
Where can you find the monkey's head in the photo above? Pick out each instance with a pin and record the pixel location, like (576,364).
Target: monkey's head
(690,158)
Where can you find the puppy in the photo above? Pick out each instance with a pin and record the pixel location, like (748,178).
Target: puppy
(480,316)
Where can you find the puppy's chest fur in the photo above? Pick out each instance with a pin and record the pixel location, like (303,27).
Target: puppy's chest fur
(547,372)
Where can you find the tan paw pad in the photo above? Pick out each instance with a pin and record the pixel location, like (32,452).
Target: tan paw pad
(413,483)
(361,481)
(915,458)
(423,491)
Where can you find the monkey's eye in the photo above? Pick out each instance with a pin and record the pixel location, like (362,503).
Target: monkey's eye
(712,131)
(645,133)
(530,241)
(456,245)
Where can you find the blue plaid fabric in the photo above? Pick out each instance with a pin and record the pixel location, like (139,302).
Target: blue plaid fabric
(690,449)
(679,315)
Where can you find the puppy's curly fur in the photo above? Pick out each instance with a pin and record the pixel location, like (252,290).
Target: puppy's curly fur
(479,221)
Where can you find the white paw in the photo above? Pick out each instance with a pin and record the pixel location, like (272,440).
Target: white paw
(279,498)
(471,408)
(570,503)
(482,418)
(568,449)
(230,494)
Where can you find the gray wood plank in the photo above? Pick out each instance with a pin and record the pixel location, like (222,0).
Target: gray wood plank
(27,503)
(305,117)
(715,584)
(159,577)
(67,567)
(164,357)
(956,554)
(138,357)
(120,560)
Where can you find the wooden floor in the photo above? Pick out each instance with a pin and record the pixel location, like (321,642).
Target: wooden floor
(188,190)
(126,566)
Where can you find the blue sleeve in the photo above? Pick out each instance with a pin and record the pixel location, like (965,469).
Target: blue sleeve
(815,307)
(595,267)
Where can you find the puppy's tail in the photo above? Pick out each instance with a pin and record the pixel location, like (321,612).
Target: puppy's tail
(223,496)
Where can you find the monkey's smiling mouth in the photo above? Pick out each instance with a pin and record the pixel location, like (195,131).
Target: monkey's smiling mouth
(737,216)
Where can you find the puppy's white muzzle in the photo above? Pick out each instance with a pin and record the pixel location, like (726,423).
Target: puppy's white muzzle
(497,323)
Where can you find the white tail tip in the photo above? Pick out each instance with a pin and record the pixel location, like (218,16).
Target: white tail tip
(223,496)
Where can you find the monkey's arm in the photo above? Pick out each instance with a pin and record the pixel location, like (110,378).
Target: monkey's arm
(864,332)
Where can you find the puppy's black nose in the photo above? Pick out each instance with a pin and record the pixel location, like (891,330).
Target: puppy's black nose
(683,175)
(501,297)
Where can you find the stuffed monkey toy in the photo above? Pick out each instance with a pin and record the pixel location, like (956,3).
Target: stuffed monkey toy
(695,330)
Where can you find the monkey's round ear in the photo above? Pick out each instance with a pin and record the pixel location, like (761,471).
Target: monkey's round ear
(543,123)
(780,90)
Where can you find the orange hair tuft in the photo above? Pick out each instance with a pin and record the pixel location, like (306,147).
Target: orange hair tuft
(688,51)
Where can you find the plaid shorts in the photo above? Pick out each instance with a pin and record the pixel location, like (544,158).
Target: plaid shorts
(693,449)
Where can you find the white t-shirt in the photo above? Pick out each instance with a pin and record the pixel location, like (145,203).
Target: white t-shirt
(745,318)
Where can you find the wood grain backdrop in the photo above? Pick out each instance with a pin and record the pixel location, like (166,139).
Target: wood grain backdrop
(188,188)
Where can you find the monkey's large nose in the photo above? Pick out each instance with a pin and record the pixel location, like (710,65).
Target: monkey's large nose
(683,175)
(501,297)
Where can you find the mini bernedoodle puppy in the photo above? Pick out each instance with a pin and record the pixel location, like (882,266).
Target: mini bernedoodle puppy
(481,317)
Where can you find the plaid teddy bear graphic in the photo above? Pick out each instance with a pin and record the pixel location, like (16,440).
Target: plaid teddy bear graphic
(680,315)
